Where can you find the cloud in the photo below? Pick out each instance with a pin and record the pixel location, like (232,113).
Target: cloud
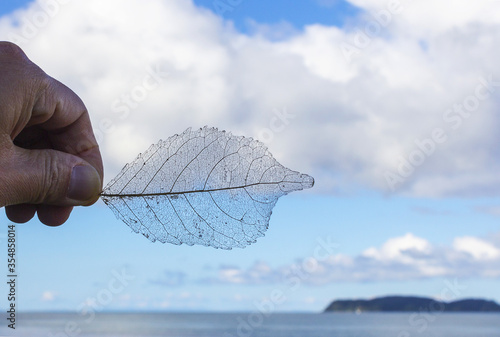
(399,259)
(49,296)
(361,117)
(430,211)
(491,210)
(477,248)
(170,279)
(427,18)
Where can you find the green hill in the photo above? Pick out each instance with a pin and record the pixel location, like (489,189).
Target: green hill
(409,303)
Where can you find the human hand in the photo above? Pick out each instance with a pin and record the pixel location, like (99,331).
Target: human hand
(49,158)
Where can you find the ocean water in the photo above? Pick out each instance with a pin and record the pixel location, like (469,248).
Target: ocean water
(255,325)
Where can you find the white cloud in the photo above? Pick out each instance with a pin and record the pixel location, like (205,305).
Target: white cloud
(402,258)
(397,249)
(427,18)
(354,120)
(49,296)
(477,248)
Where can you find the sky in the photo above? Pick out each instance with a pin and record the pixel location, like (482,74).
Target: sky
(392,107)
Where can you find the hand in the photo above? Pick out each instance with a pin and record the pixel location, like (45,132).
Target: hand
(49,158)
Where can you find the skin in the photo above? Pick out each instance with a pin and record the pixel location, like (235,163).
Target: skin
(45,132)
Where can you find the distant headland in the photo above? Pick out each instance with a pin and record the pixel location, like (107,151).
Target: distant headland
(413,304)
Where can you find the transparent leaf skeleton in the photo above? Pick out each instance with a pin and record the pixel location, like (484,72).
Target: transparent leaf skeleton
(204,187)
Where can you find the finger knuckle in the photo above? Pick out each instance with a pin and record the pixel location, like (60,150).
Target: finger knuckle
(52,178)
(9,49)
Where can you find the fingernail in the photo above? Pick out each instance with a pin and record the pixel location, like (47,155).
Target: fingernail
(85,183)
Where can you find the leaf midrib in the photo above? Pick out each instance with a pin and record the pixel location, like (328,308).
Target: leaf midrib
(189,192)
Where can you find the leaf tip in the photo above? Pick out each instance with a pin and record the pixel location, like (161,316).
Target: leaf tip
(308,181)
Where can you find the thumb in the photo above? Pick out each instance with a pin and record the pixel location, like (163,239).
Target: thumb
(47,177)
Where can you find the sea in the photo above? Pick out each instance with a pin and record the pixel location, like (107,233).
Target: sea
(255,325)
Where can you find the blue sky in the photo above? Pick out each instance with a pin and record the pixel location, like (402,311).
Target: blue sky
(441,226)
(9,6)
(298,14)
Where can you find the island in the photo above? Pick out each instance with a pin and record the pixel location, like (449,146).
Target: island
(412,304)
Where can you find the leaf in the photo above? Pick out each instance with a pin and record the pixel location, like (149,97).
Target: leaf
(204,187)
